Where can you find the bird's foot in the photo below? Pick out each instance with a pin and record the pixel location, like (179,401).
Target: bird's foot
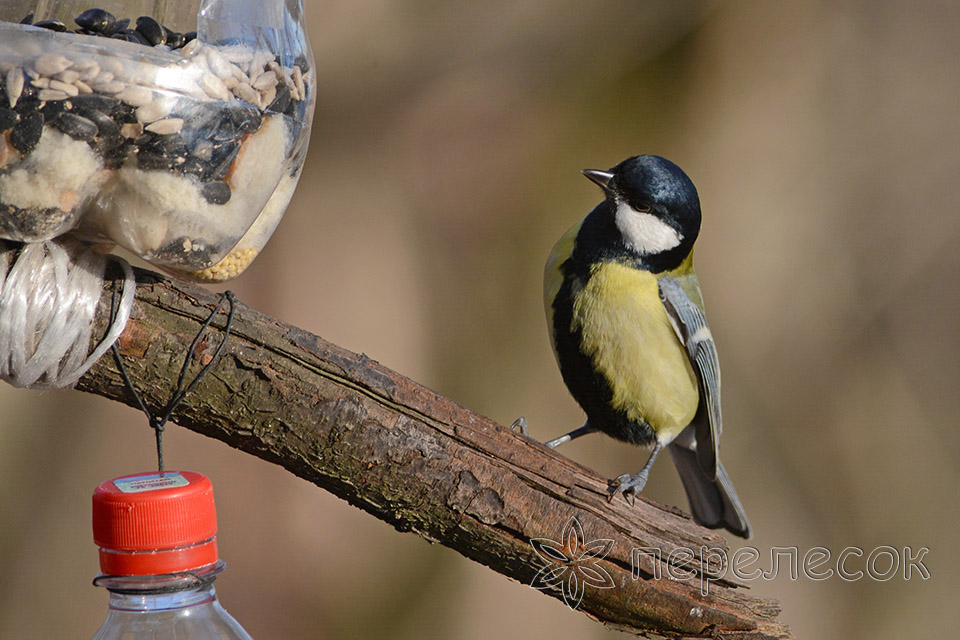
(630,486)
(520,424)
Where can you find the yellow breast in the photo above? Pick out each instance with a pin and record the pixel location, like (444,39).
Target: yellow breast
(629,338)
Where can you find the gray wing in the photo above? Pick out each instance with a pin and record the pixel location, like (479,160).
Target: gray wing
(690,323)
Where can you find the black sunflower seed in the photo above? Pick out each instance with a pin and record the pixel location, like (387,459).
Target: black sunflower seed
(77,127)
(192,167)
(221,160)
(27,104)
(97,102)
(32,223)
(130,35)
(216,192)
(125,113)
(152,31)
(245,117)
(96,20)
(27,19)
(281,103)
(301,62)
(107,142)
(26,134)
(171,144)
(8,118)
(224,131)
(53,25)
(149,161)
(112,150)
(145,139)
(106,127)
(118,26)
(116,156)
(53,108)
(200,116)
(175,40)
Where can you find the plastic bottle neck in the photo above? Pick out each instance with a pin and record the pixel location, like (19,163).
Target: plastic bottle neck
(161,592)
(163,601)
(177,605)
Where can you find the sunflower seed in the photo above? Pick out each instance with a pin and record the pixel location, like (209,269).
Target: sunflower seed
(14,81)
(68,77)
(298,81)
(268,96)
(166,126)
(114,87)
(131,130)
(68,89)
(260,60)
(265,80)
(218,64)
(135,96)
(50,64)
(247,93)
(156,109)
(191,48)
(214,87)
(113,65)
(51,95)
(86,70)
(237,54)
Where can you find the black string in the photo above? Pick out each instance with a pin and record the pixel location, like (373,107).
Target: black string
(157,422)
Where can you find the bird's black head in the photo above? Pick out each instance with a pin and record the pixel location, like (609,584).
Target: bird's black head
(655,209)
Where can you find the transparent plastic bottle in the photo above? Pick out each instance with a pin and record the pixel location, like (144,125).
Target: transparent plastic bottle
(158,557)
(176,129)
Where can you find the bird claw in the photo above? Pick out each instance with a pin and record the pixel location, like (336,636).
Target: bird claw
(629,486)
(520,424)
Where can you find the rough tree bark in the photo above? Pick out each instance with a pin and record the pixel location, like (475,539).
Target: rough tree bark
(422,462)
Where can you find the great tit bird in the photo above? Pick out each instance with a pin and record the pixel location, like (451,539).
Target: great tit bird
(627,325)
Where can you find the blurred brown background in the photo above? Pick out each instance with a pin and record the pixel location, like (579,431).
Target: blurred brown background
(445,160)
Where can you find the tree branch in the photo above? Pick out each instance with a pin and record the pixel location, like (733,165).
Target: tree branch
(421,461)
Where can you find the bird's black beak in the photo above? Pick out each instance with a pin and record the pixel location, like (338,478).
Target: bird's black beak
(601,178)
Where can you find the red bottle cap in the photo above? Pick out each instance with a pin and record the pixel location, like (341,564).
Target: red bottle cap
(155,523)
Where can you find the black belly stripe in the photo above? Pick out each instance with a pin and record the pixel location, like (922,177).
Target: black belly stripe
(589,388)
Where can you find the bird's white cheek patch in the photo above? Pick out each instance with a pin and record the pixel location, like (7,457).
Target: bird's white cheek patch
(644,232)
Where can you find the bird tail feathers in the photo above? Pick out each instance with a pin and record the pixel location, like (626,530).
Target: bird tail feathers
(714,502)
